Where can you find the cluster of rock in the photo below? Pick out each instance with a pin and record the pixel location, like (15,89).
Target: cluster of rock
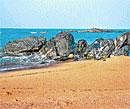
(63,46)
(104,48)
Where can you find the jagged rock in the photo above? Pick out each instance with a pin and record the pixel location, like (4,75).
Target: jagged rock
(25,46)
(61,45)
(100,49)
(81,47)
(121,45)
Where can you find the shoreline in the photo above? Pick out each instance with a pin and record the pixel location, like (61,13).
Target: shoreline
(28,68)
(70,85)
(41,66)
(38,66)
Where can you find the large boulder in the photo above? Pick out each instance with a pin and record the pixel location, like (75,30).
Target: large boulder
(64,43)
(60,46)
(100,49)
(25,46)
(122,45)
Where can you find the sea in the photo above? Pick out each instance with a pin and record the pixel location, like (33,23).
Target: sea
(11,34)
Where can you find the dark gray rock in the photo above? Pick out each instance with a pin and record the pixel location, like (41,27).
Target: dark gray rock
(100,49)
(128,40)
(64,43)
(122,45)
(24,46)
(61,45)
(81,47)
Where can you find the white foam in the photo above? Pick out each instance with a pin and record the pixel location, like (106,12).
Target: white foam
(33,32)
(43,32)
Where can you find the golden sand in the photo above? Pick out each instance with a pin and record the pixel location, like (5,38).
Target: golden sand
(72,85)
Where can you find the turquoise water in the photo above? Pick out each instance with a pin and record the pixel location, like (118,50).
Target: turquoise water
(7,35)
(13,34)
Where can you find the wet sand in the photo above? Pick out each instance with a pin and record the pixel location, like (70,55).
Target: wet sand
(73,85)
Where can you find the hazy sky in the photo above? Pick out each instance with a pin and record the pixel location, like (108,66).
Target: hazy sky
(65,13)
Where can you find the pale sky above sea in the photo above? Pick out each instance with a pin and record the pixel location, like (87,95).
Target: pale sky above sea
(65,14)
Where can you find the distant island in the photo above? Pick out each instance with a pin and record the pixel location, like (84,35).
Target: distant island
(95,30)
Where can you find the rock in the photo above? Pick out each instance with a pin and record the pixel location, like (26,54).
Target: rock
(129,41)
(60,46)
(81,47)
(121,40)
(121,45)
(64,43)
(49,49)
(122,51)
(24,46)
(100,49)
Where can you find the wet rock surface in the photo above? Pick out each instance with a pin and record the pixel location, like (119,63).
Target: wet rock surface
(25,46)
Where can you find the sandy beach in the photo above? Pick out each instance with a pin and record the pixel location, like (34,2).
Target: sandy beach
(85,84)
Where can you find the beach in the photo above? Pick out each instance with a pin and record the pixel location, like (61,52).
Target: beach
(87,84)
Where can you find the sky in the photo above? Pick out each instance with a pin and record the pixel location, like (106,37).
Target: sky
(65,14)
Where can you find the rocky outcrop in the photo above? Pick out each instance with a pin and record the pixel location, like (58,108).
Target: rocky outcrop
(25,46)
(121,45)
(100,49)
(61,45)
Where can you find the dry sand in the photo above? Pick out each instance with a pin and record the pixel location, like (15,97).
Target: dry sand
(72,85)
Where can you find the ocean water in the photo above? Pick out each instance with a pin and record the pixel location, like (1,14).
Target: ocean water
(10,34)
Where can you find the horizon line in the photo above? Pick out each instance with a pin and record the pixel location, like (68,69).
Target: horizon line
(55,28)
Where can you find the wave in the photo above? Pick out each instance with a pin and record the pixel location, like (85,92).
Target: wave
(43,32)
(22,62)
(33,32)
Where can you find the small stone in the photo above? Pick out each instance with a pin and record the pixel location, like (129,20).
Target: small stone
(71,56)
